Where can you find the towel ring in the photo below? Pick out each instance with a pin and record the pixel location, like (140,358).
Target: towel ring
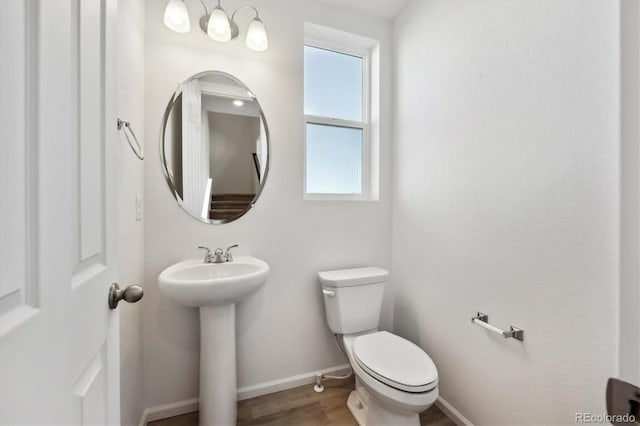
(137,149)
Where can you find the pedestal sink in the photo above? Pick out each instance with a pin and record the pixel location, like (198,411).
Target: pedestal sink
(215,288)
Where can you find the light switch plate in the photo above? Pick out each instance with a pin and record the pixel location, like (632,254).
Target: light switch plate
(139,207)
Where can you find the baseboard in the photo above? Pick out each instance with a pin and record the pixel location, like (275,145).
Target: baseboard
(187,406)
(165,411)
(452,413)
(287,383)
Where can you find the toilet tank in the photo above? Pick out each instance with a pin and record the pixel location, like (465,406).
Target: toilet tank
(353,298)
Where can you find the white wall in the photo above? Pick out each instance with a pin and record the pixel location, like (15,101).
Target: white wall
(506,182)
(630,192)
(233,140)
(281,331)
(130,105)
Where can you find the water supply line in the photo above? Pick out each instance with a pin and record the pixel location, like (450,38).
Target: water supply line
(319,387)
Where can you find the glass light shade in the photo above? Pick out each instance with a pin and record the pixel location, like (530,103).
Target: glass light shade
(218,27)
(257,36)
(176,17)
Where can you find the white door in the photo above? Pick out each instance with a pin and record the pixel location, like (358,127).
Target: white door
(58,338)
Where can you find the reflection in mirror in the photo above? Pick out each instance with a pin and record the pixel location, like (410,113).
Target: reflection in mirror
(215,147)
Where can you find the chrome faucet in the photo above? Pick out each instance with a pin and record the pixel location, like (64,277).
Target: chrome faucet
(218,256)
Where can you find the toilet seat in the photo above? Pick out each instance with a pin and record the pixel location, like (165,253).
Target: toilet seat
(395,362)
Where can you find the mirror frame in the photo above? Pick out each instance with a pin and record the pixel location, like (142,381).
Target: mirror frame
(163,157)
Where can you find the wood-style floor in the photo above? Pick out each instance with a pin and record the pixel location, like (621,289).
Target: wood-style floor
(302,407)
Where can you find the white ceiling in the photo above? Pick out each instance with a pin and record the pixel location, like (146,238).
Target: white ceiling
(387,9)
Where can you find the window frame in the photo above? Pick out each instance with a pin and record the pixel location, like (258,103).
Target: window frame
(365,124)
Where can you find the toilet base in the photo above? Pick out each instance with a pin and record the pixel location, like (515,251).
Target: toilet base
(371,413)
(358,408)
(378,415)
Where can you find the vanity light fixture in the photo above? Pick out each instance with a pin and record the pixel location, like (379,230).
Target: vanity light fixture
(257,35)
(217,24)
(238,102)
(176,16)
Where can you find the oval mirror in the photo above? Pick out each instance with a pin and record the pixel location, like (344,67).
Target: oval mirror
(215,147)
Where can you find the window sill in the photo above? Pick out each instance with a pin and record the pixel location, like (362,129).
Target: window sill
(339,197)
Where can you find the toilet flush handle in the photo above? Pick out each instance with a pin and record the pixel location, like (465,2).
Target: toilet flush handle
(329,293)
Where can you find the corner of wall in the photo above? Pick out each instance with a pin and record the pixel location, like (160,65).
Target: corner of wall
(130,107)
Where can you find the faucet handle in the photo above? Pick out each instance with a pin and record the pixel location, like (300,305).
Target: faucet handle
(207,257)
(227,254)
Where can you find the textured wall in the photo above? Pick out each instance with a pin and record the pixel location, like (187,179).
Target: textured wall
(506,182)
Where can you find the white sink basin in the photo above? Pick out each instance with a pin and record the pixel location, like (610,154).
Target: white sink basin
(215,288)
(195,283)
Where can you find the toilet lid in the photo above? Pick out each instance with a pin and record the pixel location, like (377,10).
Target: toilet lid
(395,361)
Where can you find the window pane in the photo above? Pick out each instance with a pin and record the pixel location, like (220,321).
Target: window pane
(334,160)
(332,84)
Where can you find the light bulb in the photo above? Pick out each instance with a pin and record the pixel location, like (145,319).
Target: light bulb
(218,27)
(238,102)
(257,36)
(176,17)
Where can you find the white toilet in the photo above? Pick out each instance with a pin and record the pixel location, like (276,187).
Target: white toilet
(395,379)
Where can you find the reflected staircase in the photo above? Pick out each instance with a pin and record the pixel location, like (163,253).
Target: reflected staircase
(229,206)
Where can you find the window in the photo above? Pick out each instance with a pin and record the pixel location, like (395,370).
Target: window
(337,116)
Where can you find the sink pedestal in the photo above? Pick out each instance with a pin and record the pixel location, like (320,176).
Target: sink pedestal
(218,365)
(215,288)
